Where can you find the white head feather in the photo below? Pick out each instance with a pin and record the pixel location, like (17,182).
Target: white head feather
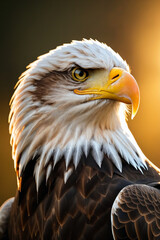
(48,118)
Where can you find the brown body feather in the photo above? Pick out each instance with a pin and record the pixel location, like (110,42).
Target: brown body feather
(77,210)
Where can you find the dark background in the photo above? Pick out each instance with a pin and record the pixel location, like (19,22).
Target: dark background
(130,27)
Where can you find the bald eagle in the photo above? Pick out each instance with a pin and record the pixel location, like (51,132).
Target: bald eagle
(80,173)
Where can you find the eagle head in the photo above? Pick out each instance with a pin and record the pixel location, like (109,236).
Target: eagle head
(69,101)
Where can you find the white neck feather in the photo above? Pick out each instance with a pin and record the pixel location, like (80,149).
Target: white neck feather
(52,133)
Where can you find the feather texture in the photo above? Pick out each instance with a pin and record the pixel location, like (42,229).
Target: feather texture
(75,155)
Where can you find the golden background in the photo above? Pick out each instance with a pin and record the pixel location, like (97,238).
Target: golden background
(130,27)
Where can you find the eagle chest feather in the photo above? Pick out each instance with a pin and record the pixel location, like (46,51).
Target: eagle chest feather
(78,209)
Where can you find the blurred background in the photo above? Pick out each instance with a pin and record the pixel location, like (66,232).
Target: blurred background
(130,27)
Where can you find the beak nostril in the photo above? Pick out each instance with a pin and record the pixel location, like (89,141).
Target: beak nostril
(115,76)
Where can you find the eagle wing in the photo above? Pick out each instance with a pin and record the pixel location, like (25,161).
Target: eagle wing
(5,210)
(136,213)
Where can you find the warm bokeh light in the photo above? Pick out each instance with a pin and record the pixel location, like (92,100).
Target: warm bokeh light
(130,27)
(146,58)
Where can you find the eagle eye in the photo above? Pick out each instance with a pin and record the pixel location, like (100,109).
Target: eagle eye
(79,74)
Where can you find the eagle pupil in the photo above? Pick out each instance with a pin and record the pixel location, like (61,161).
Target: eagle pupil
(81,73)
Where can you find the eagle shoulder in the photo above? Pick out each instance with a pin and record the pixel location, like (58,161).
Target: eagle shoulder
(136,213)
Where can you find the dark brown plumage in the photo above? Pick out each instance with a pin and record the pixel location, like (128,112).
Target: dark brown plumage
(82,206)
(138,213)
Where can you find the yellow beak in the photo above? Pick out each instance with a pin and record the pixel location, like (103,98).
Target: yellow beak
(119,85)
